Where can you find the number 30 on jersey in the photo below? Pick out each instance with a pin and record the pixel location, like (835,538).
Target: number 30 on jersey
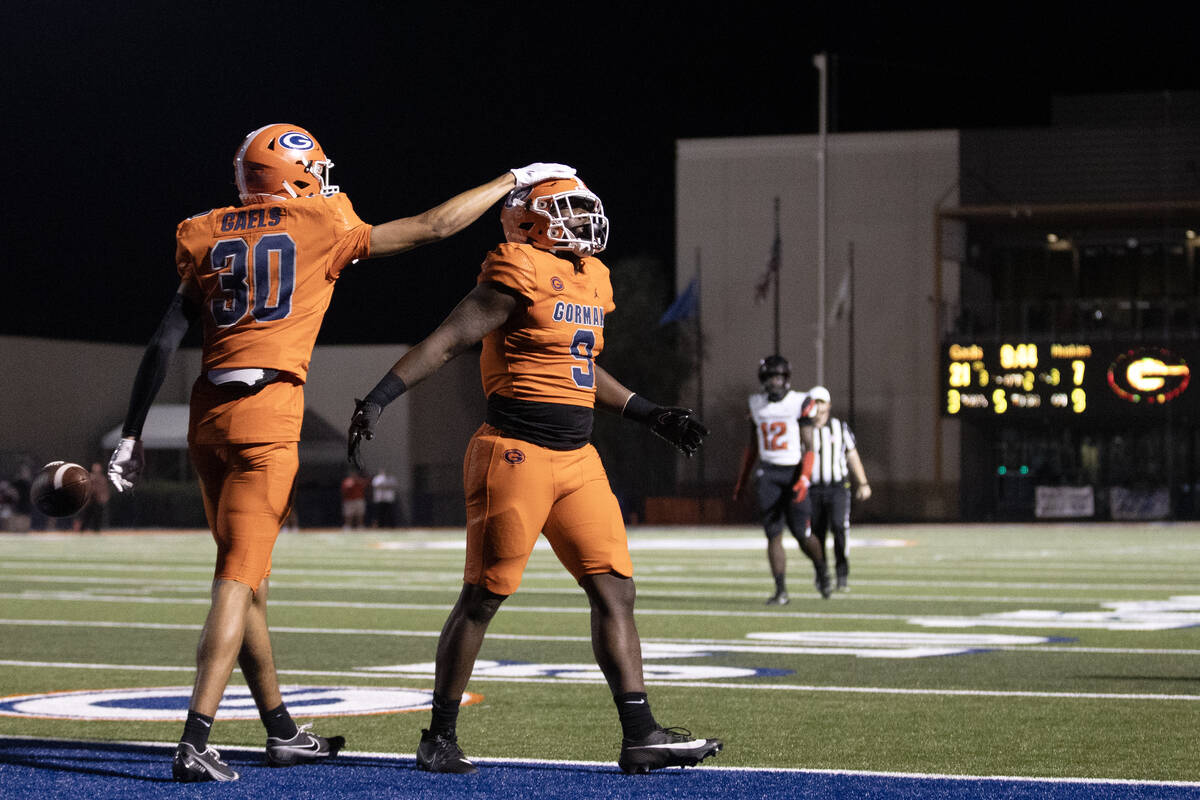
(270,266)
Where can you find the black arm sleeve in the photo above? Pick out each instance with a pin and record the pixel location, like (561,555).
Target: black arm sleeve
(159,352)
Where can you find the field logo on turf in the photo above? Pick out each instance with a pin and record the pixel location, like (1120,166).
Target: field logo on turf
(1121,615)
(171,703)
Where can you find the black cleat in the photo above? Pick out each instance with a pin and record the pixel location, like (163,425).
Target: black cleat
(192,766)
(822,584)
(439,752)
(302,748)
(780,598)
(665,747)
(842,584)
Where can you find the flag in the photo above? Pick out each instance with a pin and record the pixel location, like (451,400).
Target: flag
(841,303)
(686,305)
(764,285)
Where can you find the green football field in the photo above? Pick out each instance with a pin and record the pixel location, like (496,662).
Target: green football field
(1019,650)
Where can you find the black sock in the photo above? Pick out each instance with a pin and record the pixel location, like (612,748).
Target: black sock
(279,722)
(445,715)
(196,730)
(634,710)
(780,583)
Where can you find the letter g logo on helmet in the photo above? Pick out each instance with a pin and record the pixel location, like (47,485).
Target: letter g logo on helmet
(294,140)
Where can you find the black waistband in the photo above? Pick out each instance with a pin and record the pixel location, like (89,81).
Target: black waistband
(553,425)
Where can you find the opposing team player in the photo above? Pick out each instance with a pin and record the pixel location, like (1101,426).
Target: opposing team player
(540,307)
(259,277)
(781,443)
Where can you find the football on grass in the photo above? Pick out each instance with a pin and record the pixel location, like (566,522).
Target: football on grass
(61,489)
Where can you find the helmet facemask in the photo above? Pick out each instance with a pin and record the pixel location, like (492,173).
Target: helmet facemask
(577,221)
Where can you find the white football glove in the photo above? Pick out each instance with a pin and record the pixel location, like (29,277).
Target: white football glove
(539,171)
(125,466)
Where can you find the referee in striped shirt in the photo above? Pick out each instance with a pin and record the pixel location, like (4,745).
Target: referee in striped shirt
(835,463)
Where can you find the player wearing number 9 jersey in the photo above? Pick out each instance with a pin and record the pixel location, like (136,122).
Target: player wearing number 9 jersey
(540,307)
(259,278)
(781,442)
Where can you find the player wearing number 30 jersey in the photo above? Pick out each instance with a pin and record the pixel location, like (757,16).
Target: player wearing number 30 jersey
(259,277)
(266,274)
(540,307)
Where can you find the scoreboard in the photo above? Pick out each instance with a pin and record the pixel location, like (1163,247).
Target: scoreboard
(1048,380)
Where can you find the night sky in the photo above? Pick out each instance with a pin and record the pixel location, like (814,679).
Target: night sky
(122,118)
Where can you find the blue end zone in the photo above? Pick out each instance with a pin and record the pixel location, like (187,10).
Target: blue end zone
(45,768)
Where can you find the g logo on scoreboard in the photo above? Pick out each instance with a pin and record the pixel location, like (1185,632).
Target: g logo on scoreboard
(1149,375)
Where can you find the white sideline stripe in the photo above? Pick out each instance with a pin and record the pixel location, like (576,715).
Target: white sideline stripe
(783,687)
(167,747)
(748,645)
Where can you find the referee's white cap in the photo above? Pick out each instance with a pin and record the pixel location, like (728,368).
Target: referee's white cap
(819,393)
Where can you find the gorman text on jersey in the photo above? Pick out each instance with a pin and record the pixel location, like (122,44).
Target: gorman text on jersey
(579,314)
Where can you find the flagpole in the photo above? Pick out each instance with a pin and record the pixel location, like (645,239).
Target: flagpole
(700,379)
(777,256)
(850,322)
(821,63)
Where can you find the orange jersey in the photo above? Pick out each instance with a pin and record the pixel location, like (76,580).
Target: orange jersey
(545,353)
(266,272)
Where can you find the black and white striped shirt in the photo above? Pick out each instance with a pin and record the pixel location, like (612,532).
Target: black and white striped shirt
(831,442)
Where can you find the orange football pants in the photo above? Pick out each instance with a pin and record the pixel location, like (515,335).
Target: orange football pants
(248,490)
(516,490)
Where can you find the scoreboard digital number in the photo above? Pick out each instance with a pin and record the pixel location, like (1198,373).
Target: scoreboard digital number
(1010,380)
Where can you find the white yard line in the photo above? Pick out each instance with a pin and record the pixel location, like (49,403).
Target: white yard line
(646,588)
(742,645)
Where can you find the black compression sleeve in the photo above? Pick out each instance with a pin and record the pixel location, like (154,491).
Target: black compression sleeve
(155,360)
(638,408)
(388,389)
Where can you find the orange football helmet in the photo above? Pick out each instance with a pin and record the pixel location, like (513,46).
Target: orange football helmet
(558,214)
(281,161)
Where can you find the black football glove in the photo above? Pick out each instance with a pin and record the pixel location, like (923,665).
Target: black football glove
(678,426)
(362,426)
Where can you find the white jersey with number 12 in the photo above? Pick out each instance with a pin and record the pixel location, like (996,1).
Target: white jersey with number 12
(778,427)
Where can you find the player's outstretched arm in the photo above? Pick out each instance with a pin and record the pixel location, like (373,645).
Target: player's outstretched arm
(458,212)
(125,465)
(679,426)
(484,309)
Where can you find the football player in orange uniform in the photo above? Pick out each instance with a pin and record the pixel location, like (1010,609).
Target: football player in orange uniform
(539,307)
(259,277)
